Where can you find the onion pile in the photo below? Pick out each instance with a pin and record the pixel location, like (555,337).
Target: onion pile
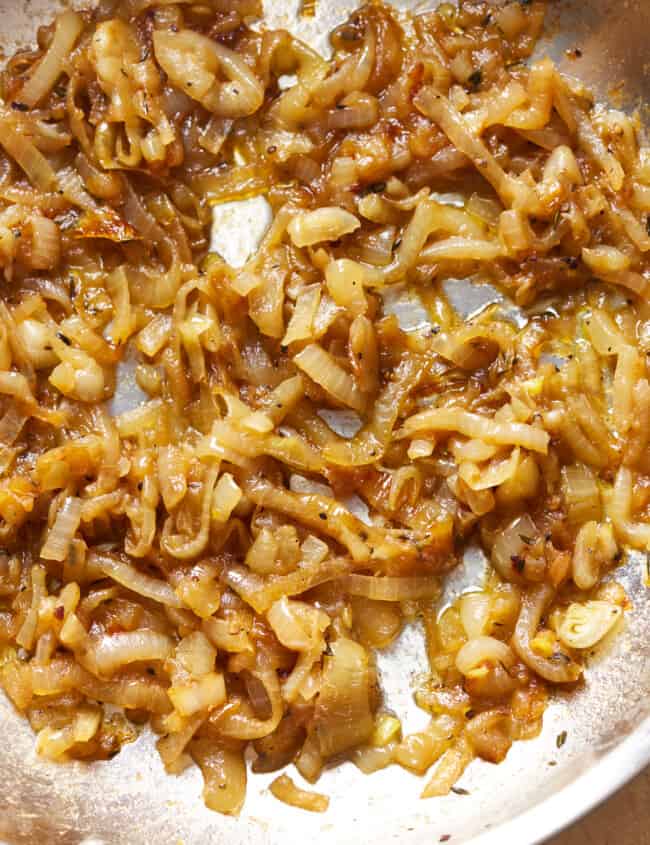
(322,433)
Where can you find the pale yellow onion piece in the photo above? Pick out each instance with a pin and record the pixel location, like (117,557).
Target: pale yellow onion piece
(485,208)
(634,229)
(314,550)
(594,546)
(258,422)
(581,493)
(45,251)
(322,368)
(474,613)
(38,169)
(475,426)
(246,281)
(421,449)
(356,111)
(618,506)
(303,681)
(76,329)
(455,221)
(224,775)
(369,444)
(53,743)
(342,718)
(605,261)
(325,316)
(6,352)
(495,473)
(227,635)
(124,321)
(196,654)
(183,546)
(263,555)
(497,107)
(16,385)
(128,576)
(584,625)
(200,591)
(512,191)
(537,113)
(78,376)
(236,409)
(588,137)
(193,62)
(292,449)
(482,650)
(112,651)
(369,759)
(560,175)
(173,465)
(301,324)
(392,588)
(630,367)
(27,631)
(424,220)
(155,335)
(641,197)
(345,280)
(511,544)
(266,303)
(338,522)
(43,77)
(467,347)
(511,21)
(227,495)
(351,75)
(534,604)
(261,593)
(11,424)
(471,450)
(72,633)
(190,331)
(461,249)
(297,625)
(300,484)
(61,533)
(606,337)
(204,693)
(172,745)
(418,751)
(243,725)
(285,790)
(63,674)
(450,767)
(284,398)
(387,728)
(328,223)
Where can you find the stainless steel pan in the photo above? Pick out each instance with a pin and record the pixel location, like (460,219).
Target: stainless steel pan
(538,790)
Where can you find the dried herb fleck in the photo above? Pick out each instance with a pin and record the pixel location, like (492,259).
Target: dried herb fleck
(518,562)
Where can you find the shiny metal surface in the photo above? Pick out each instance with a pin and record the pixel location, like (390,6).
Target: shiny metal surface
(537,791)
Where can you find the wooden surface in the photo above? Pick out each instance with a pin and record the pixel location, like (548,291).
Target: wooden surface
(623,820)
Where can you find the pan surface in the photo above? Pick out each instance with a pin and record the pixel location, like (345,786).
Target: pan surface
(538,790)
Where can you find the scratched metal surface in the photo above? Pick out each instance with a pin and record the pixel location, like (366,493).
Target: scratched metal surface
(539,788)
